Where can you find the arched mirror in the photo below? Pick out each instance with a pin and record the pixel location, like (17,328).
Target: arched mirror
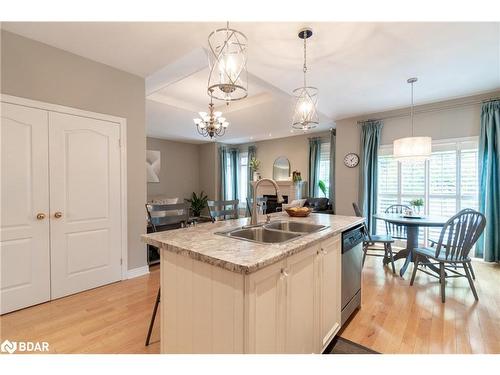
(281,169)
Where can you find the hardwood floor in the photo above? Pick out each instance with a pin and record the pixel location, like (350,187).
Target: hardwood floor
(395,318)
(110,319)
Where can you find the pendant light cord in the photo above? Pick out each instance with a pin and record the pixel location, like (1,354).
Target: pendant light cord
(305,62)
(411,110)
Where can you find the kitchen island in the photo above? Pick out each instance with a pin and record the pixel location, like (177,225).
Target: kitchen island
(226,295)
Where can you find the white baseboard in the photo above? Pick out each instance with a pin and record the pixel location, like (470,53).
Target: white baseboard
(136,272)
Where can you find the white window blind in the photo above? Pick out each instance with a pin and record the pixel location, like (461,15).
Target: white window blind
(447,182)
(324,166)
(229,177)
(243,179)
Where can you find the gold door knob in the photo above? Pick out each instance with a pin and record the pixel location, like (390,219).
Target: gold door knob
(58,215)
(40,216)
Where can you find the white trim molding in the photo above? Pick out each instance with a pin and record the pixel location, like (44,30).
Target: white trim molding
(136,272)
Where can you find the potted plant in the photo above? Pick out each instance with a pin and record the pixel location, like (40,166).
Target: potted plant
(322,187)
(198,203)
(417,204)
(296,177)
(255,165)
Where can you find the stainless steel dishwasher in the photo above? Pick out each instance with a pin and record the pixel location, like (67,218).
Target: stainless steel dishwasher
(352,259)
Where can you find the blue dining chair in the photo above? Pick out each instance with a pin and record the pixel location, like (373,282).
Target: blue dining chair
(396,230)
(370,239)
(451,254)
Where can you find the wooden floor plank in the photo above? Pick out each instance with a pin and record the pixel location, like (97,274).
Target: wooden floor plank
(394,318)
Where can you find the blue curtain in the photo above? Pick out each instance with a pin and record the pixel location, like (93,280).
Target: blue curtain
(370,142)
(333,136)
(488,246)
(314,158)
(223,159)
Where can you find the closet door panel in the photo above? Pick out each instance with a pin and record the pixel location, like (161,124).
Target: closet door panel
(85,203)
(24,244)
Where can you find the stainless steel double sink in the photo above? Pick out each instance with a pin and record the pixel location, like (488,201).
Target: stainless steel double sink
(273,232)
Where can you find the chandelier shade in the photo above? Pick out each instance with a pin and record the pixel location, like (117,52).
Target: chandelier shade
(228,78)
(412,149)
(305,115)
(211,124)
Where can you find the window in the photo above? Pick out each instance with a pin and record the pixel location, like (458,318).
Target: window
(447,182)
(229,177)
(324,167)
(243,180)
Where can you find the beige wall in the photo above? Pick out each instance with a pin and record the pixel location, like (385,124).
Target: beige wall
(448,119)
(179,173)
(209,169)
(295,148)
(37,71)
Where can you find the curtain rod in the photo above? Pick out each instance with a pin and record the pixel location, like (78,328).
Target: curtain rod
(435,109)
(491,100)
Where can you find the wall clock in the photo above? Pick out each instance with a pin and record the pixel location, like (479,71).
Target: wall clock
(351,160)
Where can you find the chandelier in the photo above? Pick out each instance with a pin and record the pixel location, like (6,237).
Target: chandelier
(305,116)
(412,148)
(228,78)
(211,124)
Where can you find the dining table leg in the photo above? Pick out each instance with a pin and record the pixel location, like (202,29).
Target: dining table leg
(411,244)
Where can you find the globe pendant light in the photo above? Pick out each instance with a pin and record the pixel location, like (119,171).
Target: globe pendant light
(410,149)
(305,115)
(211,124)
(228,78)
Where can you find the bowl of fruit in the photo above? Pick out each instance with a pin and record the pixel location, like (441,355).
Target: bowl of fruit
(298,211)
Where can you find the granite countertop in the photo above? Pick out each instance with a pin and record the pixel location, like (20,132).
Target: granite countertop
(200,242)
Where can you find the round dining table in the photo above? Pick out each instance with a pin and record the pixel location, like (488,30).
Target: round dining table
(412,225)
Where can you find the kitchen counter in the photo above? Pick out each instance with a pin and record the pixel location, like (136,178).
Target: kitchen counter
(201,243)
(227,295)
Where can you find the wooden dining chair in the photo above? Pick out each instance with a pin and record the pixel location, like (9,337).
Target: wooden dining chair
(261,202)
(163,217)
(222,210)
(396,230)
(457,237)
(434,243)
(371,240)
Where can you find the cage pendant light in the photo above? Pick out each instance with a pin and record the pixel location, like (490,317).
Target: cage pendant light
(305,114)
(228,78)
(410,149)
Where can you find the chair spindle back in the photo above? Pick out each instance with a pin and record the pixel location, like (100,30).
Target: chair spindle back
(396,230)
(460,233)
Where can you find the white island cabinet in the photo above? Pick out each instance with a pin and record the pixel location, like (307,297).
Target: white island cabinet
(222,295)
(294,306)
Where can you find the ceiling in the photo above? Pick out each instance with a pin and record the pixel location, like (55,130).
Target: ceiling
(359,68)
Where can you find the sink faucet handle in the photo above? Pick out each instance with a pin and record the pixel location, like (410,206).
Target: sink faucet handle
(268,219)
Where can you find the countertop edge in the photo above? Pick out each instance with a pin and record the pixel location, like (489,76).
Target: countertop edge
(238,268)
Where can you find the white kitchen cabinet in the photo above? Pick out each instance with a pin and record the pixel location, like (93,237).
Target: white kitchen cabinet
(265,297)
(291,306)
(329,267)
(301,302)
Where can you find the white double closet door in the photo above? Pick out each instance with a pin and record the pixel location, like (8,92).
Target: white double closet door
(60,205)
